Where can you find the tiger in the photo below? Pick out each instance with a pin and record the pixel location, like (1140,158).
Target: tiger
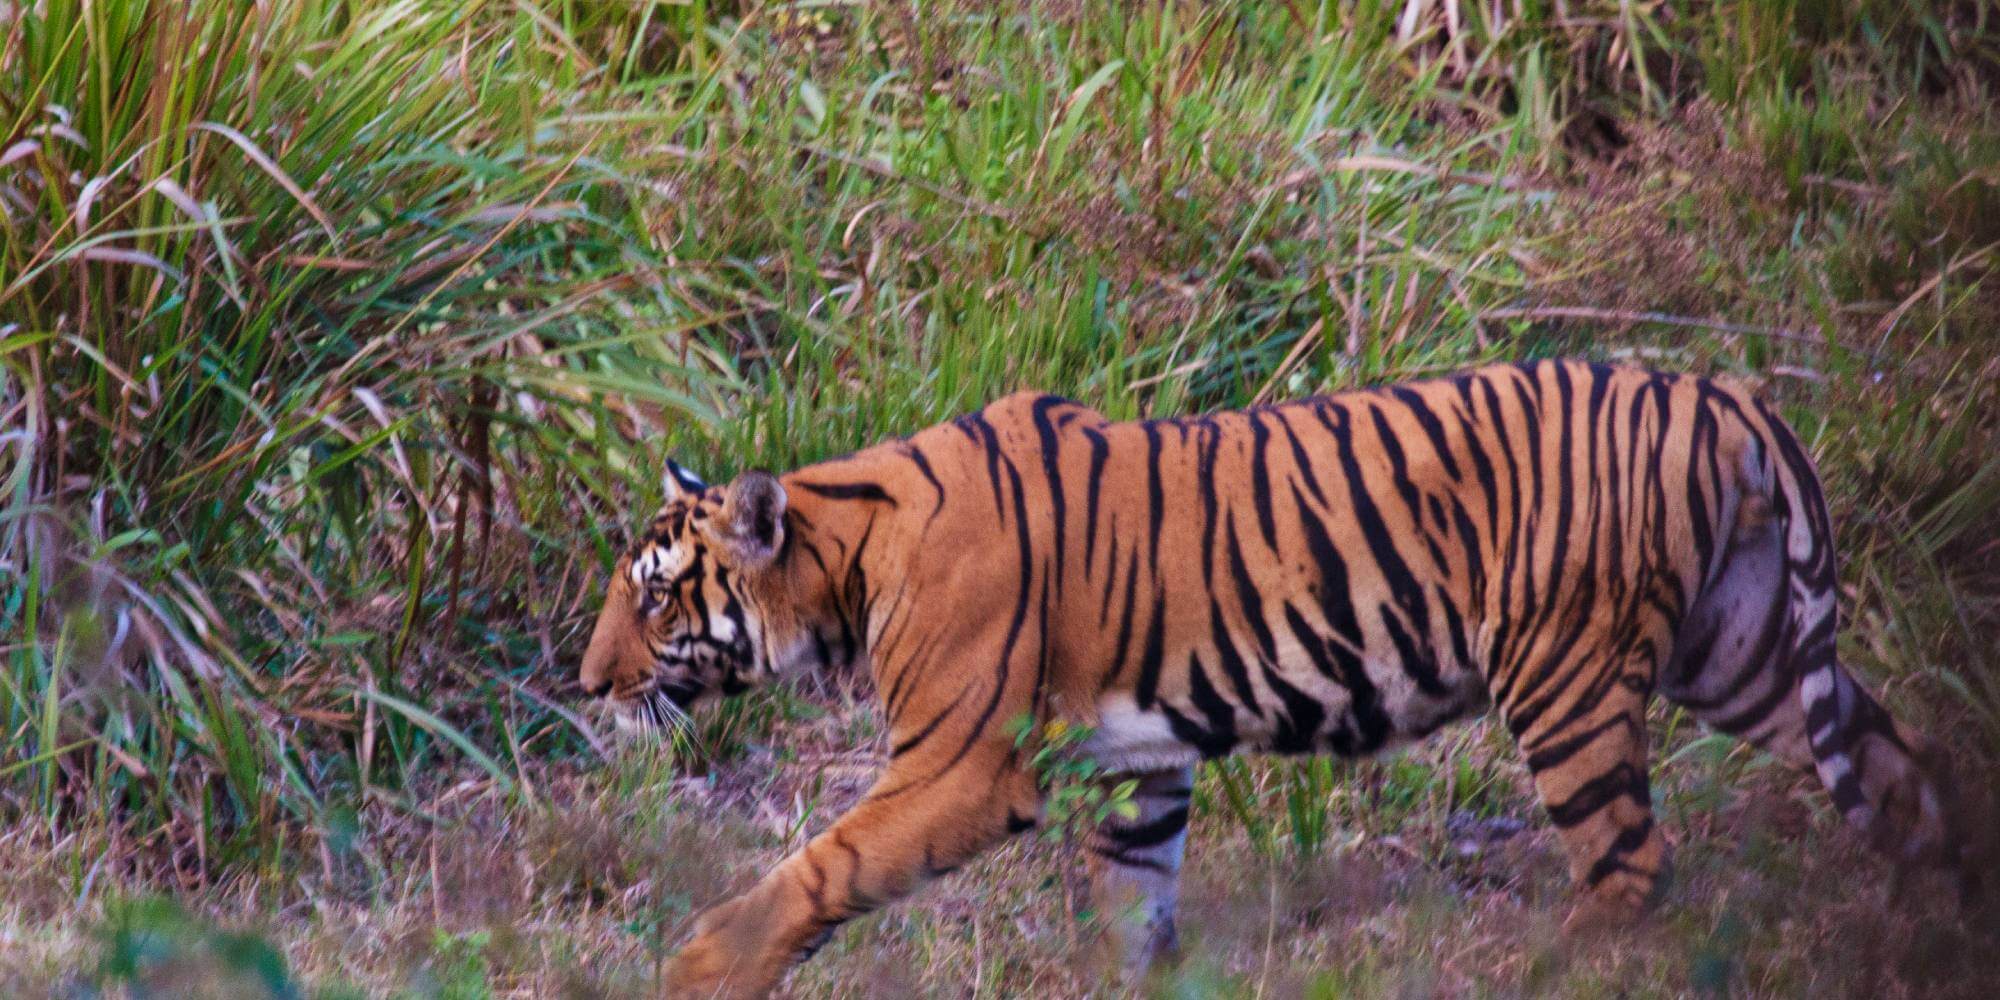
(1554,541)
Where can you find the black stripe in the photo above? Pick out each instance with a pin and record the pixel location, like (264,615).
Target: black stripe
(1117,665)
(1155,496)
(1125,860)
(1433,428)
(905,746)
(1503,629)
(1746,717)
(1248,599)
(1149,659)
(1454,626)
(1409,596)
(1307,471)
(1628,840)
(1621,781)
(1052,470)
(1399,467)
(1482,467)
(1549,755)
(1204,483)
(1151,833)
(1218,736)
(1233,665)
(981,432)
(1260,475)
(1015,625)
(1300,724)
(1099,452)
(848,491)
(1334,591)
(1701,439)
(1367,725)
(923,464)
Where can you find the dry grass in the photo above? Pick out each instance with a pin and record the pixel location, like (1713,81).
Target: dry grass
(1773,897)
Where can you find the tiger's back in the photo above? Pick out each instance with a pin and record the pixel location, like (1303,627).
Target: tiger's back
(1342,573)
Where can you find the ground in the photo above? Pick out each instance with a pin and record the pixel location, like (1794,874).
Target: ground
(1435,876)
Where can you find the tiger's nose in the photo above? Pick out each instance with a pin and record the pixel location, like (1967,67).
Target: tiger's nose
(597,690)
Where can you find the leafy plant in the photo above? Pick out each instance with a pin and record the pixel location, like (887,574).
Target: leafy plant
(1077,793)
(154,948)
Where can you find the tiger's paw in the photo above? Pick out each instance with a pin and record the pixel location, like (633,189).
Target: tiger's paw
(704,969)
(1608,910)
(718,963)
(1123,957)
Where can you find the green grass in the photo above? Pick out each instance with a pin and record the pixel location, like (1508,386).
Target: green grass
(340,344)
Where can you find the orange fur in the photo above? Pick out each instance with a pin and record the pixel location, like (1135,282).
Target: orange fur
(1342,574)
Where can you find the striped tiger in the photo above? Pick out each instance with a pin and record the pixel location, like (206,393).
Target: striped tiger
(1343,574)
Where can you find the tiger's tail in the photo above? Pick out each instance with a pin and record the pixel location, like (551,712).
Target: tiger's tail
(1891,782)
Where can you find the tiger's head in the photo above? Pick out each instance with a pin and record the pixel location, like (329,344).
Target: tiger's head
(687,611)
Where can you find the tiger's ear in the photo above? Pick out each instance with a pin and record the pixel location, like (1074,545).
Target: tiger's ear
(677,482)
(753,517)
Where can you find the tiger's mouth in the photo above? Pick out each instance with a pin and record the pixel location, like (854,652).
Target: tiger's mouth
(656,710)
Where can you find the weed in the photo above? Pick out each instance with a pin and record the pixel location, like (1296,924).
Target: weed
(1077,793)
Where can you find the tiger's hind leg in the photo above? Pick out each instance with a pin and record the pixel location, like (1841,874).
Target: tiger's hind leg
(1135,868)
(1584,734)
(1731,667)
(1756,659)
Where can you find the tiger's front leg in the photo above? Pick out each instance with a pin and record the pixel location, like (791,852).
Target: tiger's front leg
(1135,870)
(1586,748)
(916,823)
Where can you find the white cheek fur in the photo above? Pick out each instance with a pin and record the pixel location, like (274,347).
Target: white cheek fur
(652,561)
(721,629)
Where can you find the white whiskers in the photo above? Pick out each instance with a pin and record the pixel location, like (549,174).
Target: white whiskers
(654,716)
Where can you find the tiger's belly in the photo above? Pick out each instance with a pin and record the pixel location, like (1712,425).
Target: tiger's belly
(1294,708)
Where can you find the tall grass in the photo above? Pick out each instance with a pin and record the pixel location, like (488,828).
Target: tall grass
(305,312)
(341,340)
